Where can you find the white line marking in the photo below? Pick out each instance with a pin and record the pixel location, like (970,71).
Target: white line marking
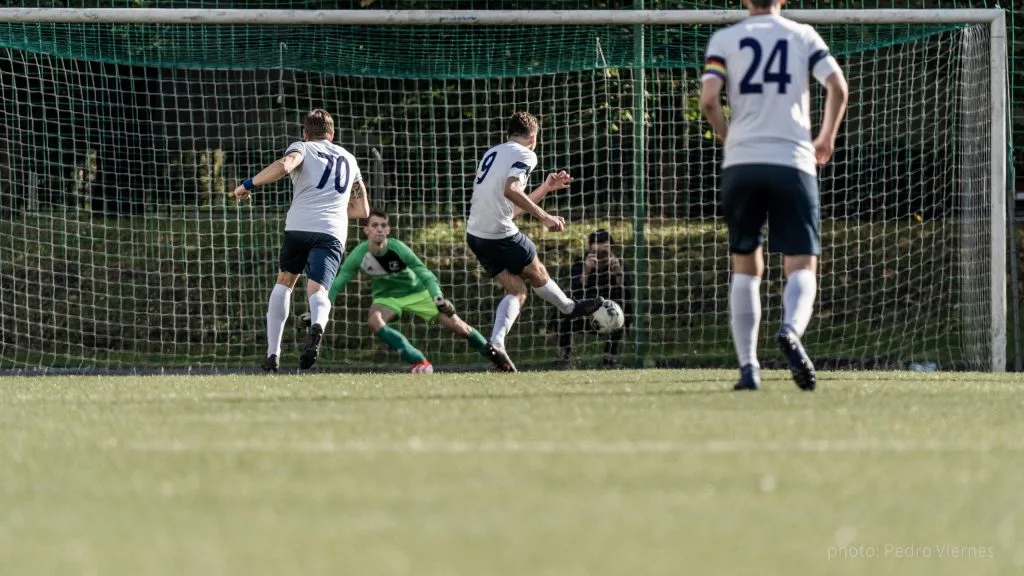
(419,446)
(247,418)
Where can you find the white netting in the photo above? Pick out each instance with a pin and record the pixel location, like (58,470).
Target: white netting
(119,248)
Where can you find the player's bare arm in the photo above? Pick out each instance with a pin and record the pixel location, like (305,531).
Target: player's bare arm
(555,181)
(358,203)
(711,105)
(279,169)
(514,192)
(838,92)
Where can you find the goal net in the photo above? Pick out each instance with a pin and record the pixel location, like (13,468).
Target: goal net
(120,248)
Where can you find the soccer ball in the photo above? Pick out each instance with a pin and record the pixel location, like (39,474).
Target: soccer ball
(608,318)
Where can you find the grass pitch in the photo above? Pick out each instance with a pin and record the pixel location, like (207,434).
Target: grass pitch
(631,472)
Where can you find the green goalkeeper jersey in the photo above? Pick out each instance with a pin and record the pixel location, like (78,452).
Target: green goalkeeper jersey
(394,273)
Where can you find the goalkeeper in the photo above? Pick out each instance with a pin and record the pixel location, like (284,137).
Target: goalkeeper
(401,283)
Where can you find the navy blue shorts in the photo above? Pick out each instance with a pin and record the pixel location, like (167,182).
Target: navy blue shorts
(513,253)
(785,197)
(316,254)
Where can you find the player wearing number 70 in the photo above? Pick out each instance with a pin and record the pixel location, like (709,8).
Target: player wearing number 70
(327,190)
(770,167)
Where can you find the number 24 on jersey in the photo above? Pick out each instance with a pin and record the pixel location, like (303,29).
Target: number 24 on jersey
(774,71)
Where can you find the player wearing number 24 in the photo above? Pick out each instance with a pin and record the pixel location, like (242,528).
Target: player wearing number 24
(327,190)
(770,168)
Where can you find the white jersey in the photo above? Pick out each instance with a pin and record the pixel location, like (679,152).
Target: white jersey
(321,188)
(490,212)
(766,62)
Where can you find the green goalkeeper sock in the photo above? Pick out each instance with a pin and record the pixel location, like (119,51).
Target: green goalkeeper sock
(397,341)
(478,342)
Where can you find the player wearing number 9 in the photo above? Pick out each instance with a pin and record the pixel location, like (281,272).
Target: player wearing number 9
(327,190)
(505,253)
(770,168)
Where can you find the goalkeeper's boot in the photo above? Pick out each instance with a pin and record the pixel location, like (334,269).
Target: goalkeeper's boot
(585,307)
(312,349)
(750,378)
(800,364)
(271,363)
(501,359)
(422,367)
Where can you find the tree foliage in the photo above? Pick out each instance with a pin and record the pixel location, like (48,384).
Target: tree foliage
(123,119)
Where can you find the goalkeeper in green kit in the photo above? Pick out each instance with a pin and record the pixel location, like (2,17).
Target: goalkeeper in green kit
(401,283)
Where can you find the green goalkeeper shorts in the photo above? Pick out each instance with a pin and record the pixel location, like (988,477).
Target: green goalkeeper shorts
(420,303)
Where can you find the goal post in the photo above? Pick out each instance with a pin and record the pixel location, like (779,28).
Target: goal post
(1000,92)
(119,250)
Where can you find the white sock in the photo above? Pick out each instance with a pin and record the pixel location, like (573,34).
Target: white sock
(504,317)
(277,315)
(319,308)
(745,316)
(798,300)
(553,294)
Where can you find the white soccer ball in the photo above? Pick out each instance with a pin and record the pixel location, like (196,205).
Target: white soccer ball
(608,318)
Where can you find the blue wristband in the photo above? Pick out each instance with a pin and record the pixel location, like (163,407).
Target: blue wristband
(247,183)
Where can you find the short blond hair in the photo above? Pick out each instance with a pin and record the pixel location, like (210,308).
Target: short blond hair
(318,125)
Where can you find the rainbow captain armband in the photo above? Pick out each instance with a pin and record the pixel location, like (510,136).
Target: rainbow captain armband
(248,185)
(714,66)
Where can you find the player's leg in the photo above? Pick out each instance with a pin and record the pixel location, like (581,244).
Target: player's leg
(509,307)
(292,260)
(745,315)
(744,212)
(458,326)
(422,304)
(322,265)
(548,289)
(492,257)
(795,233)
(800,291)
(277,316)
(503,259)
(476,340)
(383,311)
(537,274)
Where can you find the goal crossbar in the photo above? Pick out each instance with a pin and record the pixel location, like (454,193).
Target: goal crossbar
(480,17)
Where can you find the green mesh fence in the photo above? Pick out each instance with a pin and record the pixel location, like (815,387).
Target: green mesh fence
(123,142)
